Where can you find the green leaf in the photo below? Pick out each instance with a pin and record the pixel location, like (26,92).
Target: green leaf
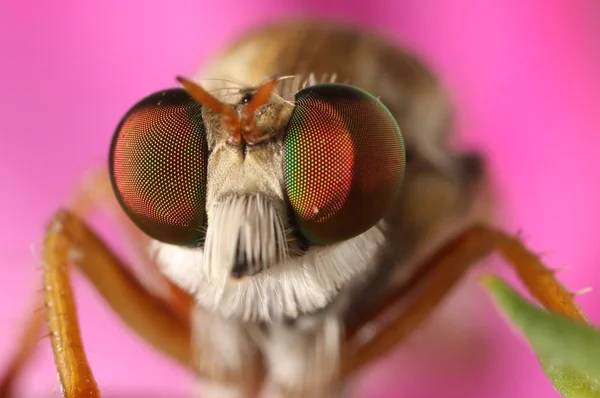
(569,351)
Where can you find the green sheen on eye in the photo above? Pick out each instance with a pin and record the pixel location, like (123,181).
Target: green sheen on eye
(343,162)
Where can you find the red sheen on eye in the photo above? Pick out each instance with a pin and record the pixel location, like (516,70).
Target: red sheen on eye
(158,166)
(326,170)
(343,162)
(139,154)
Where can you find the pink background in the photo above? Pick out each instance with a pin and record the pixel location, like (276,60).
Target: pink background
(525,78)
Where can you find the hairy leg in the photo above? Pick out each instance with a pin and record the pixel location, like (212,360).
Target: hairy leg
(23,353)
(404,310)
(70,241)
(95,193)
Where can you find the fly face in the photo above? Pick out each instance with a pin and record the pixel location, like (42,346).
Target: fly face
(263,208)
(276,204)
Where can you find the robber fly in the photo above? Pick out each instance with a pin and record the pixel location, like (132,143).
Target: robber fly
(298,191)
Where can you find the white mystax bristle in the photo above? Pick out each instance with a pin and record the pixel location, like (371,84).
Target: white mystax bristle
(245,230)
(286,289)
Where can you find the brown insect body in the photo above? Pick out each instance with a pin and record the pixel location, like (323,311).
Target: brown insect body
(438,195)
(284,315)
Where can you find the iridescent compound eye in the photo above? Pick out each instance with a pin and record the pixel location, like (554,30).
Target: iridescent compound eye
(343,162)
(158,165)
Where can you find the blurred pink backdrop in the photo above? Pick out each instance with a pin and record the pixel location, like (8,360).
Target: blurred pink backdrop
(524,75)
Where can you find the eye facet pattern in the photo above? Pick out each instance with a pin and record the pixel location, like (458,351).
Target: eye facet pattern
(343,162)
(158,163)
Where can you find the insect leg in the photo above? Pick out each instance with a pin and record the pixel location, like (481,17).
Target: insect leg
(22,355)
(96,193)
(69,240)
(405,308)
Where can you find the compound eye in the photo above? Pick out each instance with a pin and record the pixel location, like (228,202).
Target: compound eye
(343,162)
(158,164)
